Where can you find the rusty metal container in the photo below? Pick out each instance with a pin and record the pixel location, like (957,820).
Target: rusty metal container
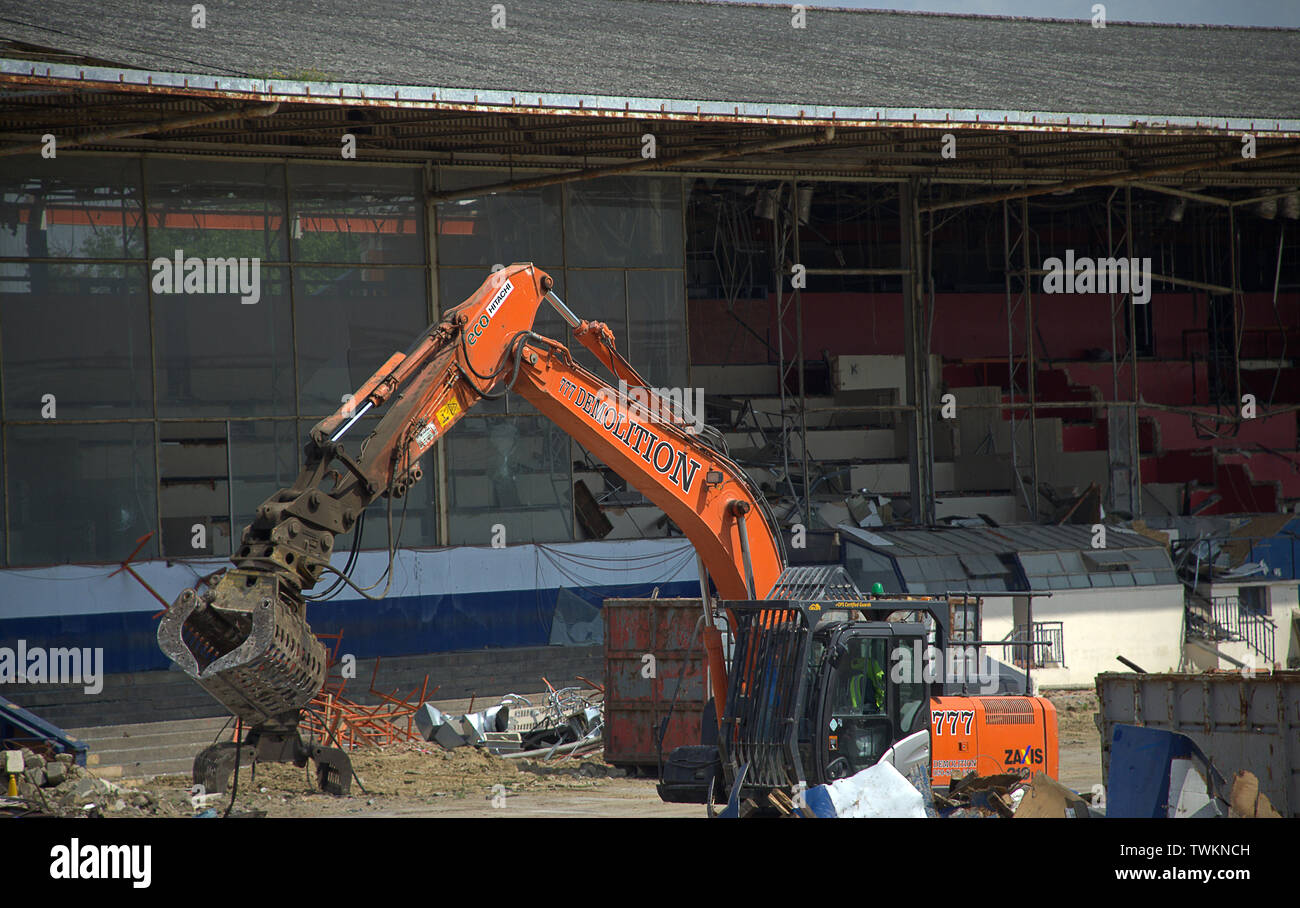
(640,691)
(1240,722)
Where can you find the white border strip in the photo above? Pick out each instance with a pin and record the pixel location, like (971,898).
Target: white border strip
(611,105)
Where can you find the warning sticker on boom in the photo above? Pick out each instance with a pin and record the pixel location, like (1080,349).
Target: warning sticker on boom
(448,411)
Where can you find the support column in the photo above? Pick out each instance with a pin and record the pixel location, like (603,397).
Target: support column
(916,357)
(1125,490)
(1022,362)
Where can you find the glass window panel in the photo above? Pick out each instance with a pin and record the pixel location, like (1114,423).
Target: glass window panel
(265,456)
(218,356)
(598,296)
(354,213)
(656,306)
(1150,558)
(509,470)
(225,209)
(80,493)
(1043,563)
(1099,559)
(193,489)
(79,332)
(455,285)
(624,221)
(500,229)
(74,206)
(348,322)
(1071,562)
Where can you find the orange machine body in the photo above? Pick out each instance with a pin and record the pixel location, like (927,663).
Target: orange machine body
(991,736)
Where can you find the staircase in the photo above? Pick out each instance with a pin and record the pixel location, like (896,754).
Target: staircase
(146,749)
(1223,620)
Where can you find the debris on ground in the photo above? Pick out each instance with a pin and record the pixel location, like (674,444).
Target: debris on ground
(1045,798)
(54,785)
(568,723)
(396,777)
(1246,800)
(974,795)
(336,720)
(875,792)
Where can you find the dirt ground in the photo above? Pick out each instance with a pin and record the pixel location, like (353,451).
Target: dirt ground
(1080,742)
(465,782)
(460,783)
(426,781)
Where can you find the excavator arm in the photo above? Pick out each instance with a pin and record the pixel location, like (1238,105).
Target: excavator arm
(247,640)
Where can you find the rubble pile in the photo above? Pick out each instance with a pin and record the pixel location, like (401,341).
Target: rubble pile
(54,785)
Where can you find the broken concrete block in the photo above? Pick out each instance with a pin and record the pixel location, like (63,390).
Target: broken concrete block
(87,789)
(35,774)
(65,759)
(55,773)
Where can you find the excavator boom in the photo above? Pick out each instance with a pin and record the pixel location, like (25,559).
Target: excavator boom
(247,641)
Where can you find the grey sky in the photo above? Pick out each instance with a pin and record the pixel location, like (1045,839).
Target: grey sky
(1285,13)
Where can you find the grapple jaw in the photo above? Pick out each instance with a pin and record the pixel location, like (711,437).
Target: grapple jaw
(248,644)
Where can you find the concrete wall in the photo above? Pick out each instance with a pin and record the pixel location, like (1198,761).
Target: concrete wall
(172,695)
(1143,624)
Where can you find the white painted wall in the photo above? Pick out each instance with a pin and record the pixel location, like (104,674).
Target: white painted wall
(1143,624)
(1284,605)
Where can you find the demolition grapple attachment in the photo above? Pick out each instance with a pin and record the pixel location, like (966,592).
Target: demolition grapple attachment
(248,645)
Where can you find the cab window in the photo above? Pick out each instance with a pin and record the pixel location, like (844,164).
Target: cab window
(860,729)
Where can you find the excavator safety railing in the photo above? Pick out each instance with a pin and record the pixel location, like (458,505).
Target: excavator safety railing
(760,725)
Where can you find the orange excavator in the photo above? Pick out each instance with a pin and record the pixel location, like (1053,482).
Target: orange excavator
(246,640)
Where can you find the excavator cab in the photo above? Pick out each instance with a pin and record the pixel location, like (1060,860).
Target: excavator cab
(864,696)
(820,690)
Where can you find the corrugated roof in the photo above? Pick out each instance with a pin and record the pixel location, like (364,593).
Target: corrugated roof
(1008,558)
(725,53)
